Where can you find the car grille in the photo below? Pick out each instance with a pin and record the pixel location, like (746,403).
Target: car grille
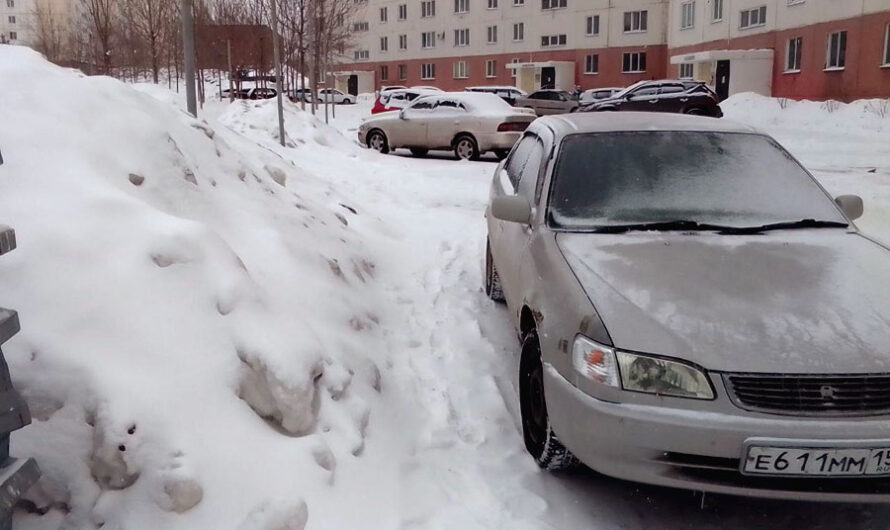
(817,395)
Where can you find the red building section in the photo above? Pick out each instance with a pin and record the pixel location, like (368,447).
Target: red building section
(864,75)
(609,68)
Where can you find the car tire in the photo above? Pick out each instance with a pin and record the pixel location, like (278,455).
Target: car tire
(696,111)
(540,440)
(573,110)
(501,153)
(492,280)
(465,147)
(419,151)
(377,141)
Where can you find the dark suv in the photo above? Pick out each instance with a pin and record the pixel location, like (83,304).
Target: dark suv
(685,97)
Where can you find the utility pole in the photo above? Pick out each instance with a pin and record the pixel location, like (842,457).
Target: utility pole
(231,72)
(277,58)
(188,50)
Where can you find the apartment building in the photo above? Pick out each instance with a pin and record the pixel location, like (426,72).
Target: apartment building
(531,44)
(15,25)
(802,49)
(814,49)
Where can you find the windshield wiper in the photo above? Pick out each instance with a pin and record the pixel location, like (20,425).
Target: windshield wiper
(785,225)
(660,226)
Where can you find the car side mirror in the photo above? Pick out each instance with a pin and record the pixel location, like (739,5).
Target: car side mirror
(402,115)
(851,205)
(511,208)
(629,96)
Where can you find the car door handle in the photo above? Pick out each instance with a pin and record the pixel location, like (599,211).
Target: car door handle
(653,101)
(684,100)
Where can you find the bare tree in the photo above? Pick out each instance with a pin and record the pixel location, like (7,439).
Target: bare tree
(50,30)
(100,19)
(150,22)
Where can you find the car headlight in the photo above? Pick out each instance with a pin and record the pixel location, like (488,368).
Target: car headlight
(654,375)
(595,361)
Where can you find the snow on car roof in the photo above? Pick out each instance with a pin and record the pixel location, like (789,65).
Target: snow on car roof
(480,102)
(582,122)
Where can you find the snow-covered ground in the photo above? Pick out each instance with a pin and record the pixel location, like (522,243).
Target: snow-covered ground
(298,333)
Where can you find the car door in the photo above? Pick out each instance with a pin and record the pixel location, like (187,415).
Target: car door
(523,172)
(410,129)
(672,97)
(447,118)
(535,101)
(641,99)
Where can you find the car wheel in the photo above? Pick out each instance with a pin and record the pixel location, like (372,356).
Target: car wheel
(492,280)
(419,151)
(696,111)
(540,440)
(465,147)
(377,141)
(573,110)
(501,153)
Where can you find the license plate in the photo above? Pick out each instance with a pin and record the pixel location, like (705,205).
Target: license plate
(817,461)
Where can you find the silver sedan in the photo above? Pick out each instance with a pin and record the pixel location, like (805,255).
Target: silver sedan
(695,311)
(467,123)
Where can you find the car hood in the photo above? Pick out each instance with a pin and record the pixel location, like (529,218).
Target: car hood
(802,301)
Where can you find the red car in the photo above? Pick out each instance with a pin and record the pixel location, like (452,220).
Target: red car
(397,99)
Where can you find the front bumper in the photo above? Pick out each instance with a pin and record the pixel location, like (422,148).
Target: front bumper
(699,450)
(362,134)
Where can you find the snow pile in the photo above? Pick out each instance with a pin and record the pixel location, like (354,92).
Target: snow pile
(198,314)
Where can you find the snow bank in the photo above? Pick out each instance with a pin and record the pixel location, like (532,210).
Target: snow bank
(198,314)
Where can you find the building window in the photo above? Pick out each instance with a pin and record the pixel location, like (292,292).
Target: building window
(428,39)
(686,70)
(362,55)
(550,41)
(384,14)
(515,60)
(635,21)
(716,10)
(462,37)
(461,6)
(12,19)
(403,11)
(428,8)
(10,3)
(360,26)
(384,44)
(403,42)
(887,46)
(634,62)
(519,31)
(592,64)
(836,58)
(460,70)
(491,68)
(492,34)
(593,25)
(428,71)
(13,35)
(403,72)
(752,17)
(518,2)
(687,15)
(553,4)
(492,4)
(384,73)
(792,57)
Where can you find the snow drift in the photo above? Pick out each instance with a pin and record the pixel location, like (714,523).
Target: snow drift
(197,312)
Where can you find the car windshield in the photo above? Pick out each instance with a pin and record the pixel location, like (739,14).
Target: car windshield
(714,178)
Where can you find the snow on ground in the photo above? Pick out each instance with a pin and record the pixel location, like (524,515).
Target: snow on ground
(329,289)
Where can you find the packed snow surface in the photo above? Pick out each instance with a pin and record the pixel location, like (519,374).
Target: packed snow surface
(219,332)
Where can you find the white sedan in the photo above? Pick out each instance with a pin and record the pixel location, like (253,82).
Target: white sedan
(332,95)
(467,123)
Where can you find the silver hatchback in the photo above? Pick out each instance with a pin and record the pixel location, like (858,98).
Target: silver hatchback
(695,311)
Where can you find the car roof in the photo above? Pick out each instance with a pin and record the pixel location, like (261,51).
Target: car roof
(596,122)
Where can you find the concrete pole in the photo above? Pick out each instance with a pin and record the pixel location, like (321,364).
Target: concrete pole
(278,73)
(188,51)
(231,73)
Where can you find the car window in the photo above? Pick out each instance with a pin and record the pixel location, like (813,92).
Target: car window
(720,178)
(531,170)
(538,95)
(516,162)
(671,89)
(450,104)
(423,104)
(645,91)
